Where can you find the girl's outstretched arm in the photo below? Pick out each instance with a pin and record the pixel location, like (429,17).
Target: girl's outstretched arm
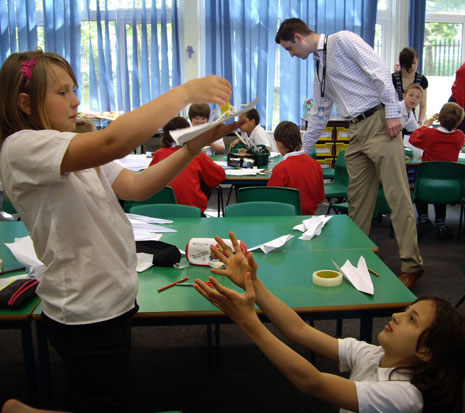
(131,130)
(308,379)
(279,313)
(139,186)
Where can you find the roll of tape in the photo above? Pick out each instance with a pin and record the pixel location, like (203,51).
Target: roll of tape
(327,278)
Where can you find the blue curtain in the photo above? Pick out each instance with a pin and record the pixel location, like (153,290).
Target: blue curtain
(416,28)
(147,65)
(240,46)
(119,77)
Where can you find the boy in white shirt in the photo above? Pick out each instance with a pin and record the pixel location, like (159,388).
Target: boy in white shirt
(254,131)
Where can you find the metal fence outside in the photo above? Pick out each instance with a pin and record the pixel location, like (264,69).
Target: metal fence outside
(442,57)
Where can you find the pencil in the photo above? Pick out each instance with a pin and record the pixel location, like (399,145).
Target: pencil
(373,272)
(173,284)
(12,270)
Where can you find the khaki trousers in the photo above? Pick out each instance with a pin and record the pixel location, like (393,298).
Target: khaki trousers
(372,157)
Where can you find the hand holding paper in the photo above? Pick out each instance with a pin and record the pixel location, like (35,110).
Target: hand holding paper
(181,136)
(358,276)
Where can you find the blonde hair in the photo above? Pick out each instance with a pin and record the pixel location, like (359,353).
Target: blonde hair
(85,125)
(14,82)
(414,86)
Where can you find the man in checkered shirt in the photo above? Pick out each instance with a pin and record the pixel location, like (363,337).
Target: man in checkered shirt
(351,75)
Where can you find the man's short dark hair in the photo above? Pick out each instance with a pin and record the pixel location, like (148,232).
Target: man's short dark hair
(289,28)
(288,133)
(199,109)
(451,115)
(253,114)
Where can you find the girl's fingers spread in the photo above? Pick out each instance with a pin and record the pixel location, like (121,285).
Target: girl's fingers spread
(219,287)
(218,253)
(234,241)
(221,242)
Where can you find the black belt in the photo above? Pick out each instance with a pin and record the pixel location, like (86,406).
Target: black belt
(366,114)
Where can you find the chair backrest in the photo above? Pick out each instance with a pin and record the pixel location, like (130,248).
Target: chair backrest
(165,195)
(439,182)
(8,206)
(166,211)
(259,208)
(340,169)
(270,193)
(314,154)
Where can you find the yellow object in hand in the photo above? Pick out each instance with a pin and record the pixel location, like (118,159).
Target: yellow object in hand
(226,108)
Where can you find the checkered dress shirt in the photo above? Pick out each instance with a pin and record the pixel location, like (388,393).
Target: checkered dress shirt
(357,79)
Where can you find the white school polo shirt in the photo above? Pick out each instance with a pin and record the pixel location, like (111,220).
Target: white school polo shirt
(79,230)
(376,392)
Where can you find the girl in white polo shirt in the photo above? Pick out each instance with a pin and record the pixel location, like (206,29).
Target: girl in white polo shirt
(65,187)
(419,365)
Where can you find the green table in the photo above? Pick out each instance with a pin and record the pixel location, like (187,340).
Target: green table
(289,276)
(236,182)
(20,319)
(340,232)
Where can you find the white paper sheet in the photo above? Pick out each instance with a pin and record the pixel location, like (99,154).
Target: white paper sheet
(312,227)
(135,162)
(148,220)
(243,171)
(144,261)
(273,244)
(358,276)
(23,250)
(181,136)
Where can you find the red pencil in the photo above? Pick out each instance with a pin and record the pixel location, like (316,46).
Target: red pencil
(172,284)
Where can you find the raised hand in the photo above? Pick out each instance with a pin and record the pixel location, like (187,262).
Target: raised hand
(211,89)
(239,307)
(237,264)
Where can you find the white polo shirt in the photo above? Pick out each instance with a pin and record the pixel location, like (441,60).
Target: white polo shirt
(376,391)
(79,230)
(260,137)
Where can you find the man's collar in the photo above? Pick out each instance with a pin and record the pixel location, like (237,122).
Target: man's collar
(320,46)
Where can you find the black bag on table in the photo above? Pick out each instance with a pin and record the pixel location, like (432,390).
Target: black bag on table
(18,293)
(164,254)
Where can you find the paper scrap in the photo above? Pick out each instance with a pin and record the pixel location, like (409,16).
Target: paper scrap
(181,136)
(144,261)
(273,244)
(23,250)
(358,276)
(312,227)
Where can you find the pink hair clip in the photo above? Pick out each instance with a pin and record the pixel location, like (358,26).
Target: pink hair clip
(27,66)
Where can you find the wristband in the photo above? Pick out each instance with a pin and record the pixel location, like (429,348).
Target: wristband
(327,278)
(189,149)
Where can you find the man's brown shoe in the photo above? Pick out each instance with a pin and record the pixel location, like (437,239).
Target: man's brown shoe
(410,278)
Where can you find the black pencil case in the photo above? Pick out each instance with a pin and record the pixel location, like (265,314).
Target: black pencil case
(164,254)
(18,293)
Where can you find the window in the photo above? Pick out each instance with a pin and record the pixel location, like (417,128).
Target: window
(444,48)
(382,29)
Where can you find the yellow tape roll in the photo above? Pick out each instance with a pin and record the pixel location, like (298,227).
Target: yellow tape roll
(327,278)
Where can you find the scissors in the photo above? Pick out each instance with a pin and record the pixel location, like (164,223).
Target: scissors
(209,283)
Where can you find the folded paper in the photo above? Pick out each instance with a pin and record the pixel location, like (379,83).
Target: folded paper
(312,227)
(273,244)
(358,276)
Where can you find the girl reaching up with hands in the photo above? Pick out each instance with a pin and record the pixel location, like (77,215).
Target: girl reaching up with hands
(419,365)
(65,187)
